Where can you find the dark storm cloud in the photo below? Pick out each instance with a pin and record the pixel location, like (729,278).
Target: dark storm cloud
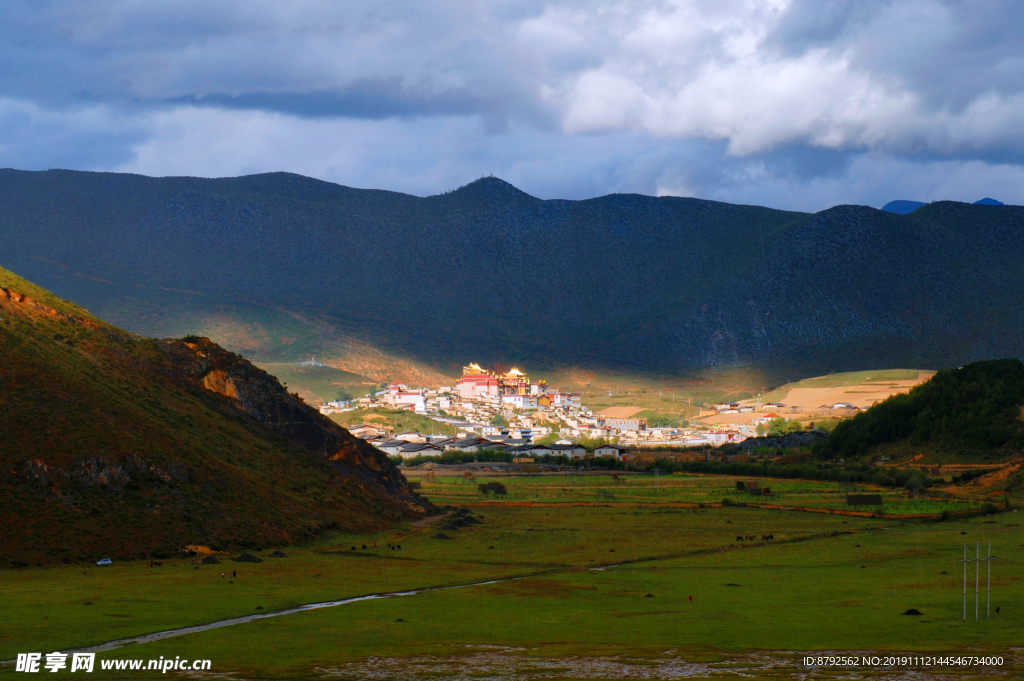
(797,103)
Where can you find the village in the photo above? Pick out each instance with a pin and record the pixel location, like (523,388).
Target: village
(508,411)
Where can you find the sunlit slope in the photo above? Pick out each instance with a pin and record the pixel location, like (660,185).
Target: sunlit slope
(973,413)
(116,444)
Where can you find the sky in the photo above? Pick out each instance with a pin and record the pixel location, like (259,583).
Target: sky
(796,104)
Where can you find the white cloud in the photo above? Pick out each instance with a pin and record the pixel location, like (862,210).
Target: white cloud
(684,71)
(563,98)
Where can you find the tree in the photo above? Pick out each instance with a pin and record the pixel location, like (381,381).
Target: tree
(662,421)
(499,421)
(780,426)
(777,426)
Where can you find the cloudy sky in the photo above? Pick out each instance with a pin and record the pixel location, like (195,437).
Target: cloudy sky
(797,104)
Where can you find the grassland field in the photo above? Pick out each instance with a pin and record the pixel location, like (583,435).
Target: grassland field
(676,489)
(600,592)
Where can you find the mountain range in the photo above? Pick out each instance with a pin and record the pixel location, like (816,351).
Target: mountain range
(903,207)
(279,266)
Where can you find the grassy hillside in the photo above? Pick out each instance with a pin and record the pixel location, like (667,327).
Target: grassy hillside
(115,444)
(324,384)
(393,421)
(974,411)
(843,379)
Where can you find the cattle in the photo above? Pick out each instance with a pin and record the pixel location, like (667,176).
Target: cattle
(739,538)
(496,487)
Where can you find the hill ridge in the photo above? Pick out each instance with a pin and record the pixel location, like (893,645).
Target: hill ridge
(285,267)
(113,443)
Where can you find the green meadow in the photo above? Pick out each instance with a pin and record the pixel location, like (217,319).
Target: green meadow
(627,489)
(597,591)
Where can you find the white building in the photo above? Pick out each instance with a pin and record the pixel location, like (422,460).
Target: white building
(411,437)
(570,450)
(614,451)
(399,396)
(411,450)
(717,437)
(520,401)
(570,400)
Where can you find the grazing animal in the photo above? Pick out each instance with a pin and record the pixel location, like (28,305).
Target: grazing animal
(496,487)
(739,538)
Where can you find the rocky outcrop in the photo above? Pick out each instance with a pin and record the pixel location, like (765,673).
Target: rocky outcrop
(113,475)
(261,397)
(17,302)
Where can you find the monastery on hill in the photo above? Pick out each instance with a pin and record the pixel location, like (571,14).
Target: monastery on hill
(476,382)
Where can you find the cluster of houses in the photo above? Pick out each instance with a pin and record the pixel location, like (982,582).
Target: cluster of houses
(778,407)
(411,445)
(529,410)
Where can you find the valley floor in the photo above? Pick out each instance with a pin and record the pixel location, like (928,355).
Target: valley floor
(574,592)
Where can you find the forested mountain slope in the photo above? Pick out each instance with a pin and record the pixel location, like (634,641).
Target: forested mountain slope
(975,411)
(279,266)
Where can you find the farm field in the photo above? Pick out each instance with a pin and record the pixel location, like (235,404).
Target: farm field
(680,401)
(666,490)
(578,606)
(860,388)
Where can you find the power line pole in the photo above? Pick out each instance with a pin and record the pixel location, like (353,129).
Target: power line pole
(965,581)
(977,579)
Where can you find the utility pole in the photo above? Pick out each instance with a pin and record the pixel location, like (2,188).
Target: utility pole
(965,581)
(977,579)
